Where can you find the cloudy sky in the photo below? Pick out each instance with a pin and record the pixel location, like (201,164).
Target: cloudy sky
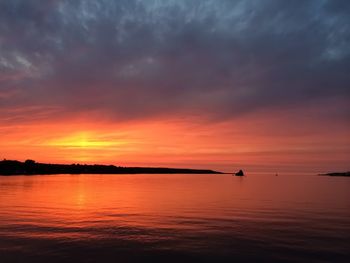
(214,83)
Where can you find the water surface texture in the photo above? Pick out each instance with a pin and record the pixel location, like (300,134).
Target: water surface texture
(172,218)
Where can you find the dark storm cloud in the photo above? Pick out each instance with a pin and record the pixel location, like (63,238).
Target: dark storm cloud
(133,59)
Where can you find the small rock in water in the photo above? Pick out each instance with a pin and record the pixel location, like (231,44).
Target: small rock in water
(239,173)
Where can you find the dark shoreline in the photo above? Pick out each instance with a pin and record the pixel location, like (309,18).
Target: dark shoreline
(337,174)
(29,167)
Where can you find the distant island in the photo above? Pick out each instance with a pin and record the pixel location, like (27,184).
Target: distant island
(337,174)
(30,167)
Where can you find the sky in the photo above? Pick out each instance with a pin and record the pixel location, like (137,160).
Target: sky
(217,84)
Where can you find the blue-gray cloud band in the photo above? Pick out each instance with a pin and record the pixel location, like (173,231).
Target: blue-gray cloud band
(136,59)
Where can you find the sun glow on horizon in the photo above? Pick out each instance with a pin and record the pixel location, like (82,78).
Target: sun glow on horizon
(86,146)
(83,140)
(176,143)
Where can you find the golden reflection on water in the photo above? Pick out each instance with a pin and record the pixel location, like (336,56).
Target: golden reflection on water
(103,217)
(60,206)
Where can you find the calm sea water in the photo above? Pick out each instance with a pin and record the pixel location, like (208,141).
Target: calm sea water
(172,218)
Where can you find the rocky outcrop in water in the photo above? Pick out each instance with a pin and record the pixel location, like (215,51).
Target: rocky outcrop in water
(239,173)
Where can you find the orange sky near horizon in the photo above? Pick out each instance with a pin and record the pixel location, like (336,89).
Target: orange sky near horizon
(256,142)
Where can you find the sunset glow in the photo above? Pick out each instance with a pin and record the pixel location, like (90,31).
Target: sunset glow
(179,143)
(80,84)
(174,131)
(82,140)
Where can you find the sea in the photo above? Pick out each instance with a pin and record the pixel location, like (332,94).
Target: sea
(174,218)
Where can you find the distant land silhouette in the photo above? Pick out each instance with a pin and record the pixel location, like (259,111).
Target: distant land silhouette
(30,167)
(338,174)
